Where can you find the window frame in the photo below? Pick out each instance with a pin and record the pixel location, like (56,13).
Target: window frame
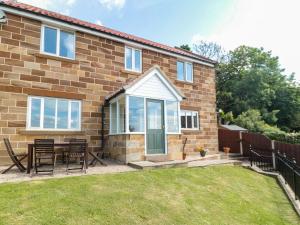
(41,127)
(192,112)
(133,69)
(185,64)
(58,29)
(127,103)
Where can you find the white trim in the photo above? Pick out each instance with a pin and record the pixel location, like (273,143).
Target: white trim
(100,34)
(58,33)
(133,69)
(185,64)
(40,128)
(131,90)
(192,115)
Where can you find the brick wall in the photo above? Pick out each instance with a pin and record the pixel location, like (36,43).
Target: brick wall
(97,71)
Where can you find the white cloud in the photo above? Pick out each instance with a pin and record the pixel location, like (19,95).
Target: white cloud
(272,24)
(59,5)
(99,22)
(111,4)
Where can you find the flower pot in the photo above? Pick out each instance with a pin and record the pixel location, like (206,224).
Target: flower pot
(203,153)
(226,150)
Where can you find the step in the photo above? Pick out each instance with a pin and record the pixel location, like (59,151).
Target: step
(156,158)
(148,165)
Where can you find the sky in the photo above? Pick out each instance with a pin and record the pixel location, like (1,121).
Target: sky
(271,24)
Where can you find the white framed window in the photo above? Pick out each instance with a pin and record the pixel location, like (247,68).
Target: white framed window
(136,114)
(172,117)
(117,116)
(189,120)
(44,113)
(133,59)
(57,42)
(184,71)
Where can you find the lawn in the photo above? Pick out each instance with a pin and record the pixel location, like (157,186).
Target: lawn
(212,195)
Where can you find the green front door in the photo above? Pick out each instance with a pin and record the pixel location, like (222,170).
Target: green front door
(155,126)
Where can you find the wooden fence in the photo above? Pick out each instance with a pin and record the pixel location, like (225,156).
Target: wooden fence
(232,139)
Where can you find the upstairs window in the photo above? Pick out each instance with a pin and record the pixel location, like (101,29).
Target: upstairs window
(189,120)
(185,71)
(58,42)
(133,59)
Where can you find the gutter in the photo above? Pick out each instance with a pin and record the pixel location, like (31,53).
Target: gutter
(54,21)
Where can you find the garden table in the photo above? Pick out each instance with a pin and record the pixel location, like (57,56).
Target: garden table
(30,154)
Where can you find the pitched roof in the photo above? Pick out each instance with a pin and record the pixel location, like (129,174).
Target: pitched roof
(233,127)
(102,29)
(132,82)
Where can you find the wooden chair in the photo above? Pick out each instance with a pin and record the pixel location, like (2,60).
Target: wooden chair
(44,156)
(77,152)
(16,158)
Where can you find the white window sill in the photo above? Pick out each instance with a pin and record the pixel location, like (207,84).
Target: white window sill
(52,132)
(55,57)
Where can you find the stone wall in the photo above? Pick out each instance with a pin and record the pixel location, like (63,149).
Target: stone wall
(97,71)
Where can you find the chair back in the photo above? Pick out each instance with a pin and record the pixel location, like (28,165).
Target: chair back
(77,145)
(12,154)
(44,145)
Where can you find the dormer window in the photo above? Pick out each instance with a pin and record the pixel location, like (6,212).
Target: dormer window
(184,71)
(133,59)
(58,42)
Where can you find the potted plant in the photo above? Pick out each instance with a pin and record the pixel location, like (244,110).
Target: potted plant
(226,150)
(202,151)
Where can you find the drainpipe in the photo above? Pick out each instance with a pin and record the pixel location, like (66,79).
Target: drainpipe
(102,127)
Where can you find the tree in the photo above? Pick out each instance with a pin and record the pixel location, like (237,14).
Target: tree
(211,50)
(253,79)
(185,47)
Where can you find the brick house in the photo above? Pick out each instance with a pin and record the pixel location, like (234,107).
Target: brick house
(61,77)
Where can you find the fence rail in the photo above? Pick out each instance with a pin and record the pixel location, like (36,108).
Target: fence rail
(290,172)
(261,159)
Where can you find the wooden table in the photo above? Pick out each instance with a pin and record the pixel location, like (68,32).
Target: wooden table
(64,145)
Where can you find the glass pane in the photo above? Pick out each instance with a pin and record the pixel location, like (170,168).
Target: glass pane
(136,114)
(180,70)
(154,115)
(113,118)
(195,120)
(137,55)
(183,120)
(189,72)
(50,40)
(62,114)
(35,112)
(49,113)
(67,44)
(172,116)
(75,115)
(189,120)
(121,115)
(128,54)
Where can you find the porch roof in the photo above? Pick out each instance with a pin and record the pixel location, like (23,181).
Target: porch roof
(134,82)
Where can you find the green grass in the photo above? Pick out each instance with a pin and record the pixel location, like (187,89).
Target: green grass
(212,195)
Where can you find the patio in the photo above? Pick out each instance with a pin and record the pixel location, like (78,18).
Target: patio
(60,172)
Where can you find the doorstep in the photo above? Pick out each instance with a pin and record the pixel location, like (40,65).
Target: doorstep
(147,165)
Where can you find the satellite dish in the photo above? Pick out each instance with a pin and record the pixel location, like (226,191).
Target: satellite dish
(3,17)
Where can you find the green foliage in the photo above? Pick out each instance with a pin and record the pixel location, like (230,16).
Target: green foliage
(253,121)
(252,79)
(226,117)
(185,47)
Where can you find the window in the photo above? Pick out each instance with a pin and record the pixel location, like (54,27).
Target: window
(117,116)
(172,117)
(136,114)
(189,120)
(185,71)
(53,114)
(133,59)
(58,42)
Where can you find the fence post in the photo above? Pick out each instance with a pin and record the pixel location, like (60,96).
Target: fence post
(273,154)
(241,143)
